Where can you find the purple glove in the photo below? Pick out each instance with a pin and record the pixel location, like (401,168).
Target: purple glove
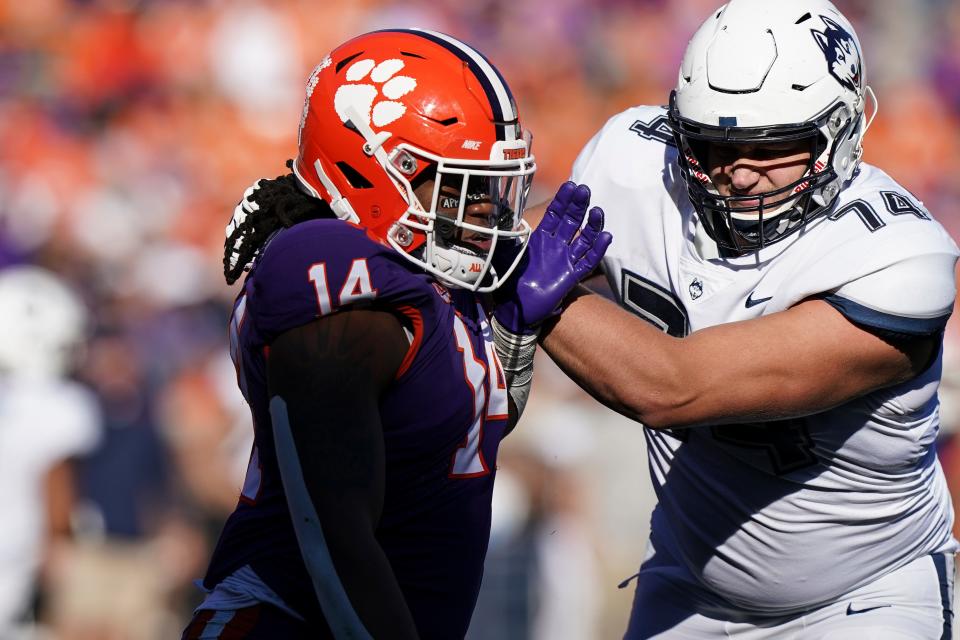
(557,259)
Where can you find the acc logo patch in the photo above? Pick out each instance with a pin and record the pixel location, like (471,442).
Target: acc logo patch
(840,50)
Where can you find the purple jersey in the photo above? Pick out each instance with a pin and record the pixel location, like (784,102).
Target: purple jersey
(442,418)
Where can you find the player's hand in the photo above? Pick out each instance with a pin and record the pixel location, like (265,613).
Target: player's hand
(558,256)
(246,207)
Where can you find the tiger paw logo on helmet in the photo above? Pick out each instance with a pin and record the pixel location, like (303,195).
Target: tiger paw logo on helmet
(382,79)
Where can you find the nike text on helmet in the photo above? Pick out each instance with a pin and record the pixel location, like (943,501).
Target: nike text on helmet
(390,110)
(760,72)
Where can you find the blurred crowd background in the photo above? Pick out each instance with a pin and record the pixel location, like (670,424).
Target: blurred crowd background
(128,132)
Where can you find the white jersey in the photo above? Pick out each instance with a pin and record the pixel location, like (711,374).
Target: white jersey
(783,516)
(41,423)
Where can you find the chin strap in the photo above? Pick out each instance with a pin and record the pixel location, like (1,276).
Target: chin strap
(516,353)
(463,269)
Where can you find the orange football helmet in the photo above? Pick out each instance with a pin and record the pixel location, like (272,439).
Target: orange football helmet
(389,111)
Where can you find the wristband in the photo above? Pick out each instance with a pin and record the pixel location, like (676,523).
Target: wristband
(516,352)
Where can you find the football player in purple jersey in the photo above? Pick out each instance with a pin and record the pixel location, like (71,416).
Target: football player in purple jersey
(379,383)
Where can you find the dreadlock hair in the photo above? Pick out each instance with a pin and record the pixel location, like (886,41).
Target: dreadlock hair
(283,203)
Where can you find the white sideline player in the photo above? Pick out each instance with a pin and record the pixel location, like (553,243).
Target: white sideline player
(44,421)
(783,306)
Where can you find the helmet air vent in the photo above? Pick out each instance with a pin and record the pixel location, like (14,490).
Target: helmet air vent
(356,180)
(446,122)
(347,60)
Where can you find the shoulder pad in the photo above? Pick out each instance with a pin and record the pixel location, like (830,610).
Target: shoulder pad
(882,259)
(913,296)
(321,266)
(635,140)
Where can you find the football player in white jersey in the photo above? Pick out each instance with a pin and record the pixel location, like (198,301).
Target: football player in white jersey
(45,420)
(778,334)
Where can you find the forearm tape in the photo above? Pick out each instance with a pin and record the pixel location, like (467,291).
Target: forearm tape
(516,356)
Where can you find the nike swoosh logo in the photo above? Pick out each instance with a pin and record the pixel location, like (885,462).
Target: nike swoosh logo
(752,303)
(852,611)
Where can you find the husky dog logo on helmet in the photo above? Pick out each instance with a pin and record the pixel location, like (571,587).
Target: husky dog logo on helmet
(840,48)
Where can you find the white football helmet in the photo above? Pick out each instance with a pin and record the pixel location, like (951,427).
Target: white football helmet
(42,326)
(766,72)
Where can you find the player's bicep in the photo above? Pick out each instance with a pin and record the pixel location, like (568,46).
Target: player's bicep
(357,349)
(329,375)
(806,359)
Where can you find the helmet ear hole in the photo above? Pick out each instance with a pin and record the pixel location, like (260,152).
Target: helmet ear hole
(354,177)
